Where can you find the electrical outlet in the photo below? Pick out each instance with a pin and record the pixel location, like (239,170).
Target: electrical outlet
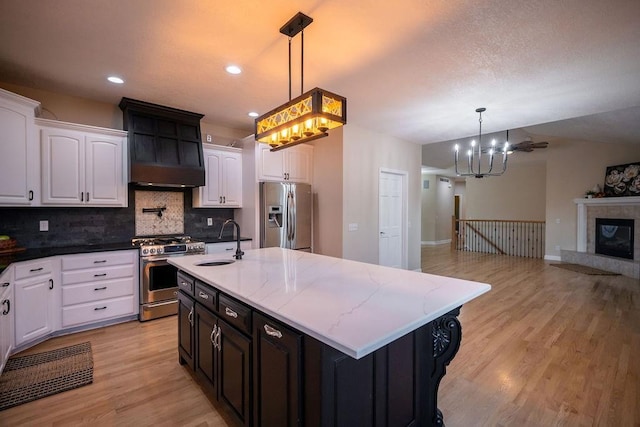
(44,225)
(209,139)
(209,222)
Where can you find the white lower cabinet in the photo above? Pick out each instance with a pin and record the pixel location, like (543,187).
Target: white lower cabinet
(227,247)
(99,286)
(7,308)
(37,296)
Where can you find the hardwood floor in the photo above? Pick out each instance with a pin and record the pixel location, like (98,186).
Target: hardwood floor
(545,347)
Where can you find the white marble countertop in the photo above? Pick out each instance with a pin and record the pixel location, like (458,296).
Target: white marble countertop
(352,306)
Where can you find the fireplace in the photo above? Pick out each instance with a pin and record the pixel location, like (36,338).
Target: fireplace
(614,237)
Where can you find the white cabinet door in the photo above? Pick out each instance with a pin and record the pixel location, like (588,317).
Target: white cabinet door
(290,164)
(227,247)
(62,167)
(211,194)
(19,151)
(223,179)
(34,307)
(271,165)
(7,308)
(104,183)
(82,168)
(232,179)
(299,163)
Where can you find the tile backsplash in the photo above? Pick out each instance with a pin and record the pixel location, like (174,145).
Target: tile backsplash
(169,221)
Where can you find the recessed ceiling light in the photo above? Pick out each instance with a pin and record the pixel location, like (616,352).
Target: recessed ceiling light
(253,114)
(115,79)
(233,69)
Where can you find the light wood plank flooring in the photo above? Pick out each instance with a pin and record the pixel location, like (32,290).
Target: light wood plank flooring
(545,347)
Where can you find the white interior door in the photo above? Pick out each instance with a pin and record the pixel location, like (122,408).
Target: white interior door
(392,196)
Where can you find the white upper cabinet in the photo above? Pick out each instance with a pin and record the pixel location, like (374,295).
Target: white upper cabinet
(223,178)
(19,152)
(289,164)
(82,165)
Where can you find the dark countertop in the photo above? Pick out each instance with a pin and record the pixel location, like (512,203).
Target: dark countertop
(36,253)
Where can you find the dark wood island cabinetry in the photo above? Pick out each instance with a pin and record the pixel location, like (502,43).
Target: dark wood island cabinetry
(270,372)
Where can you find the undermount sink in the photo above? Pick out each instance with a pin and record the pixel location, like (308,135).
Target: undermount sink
(215,263)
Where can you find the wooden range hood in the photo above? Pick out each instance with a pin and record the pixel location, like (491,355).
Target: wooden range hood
(165,145)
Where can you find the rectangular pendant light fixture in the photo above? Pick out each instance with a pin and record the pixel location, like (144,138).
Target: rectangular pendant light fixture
(302,119)
(307,117)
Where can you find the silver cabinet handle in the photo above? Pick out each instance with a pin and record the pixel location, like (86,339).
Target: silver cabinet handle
(212,337)
(272,332)
(218,338)
(190,316)
(203,295)
(230,313)
(101,261)
(100,289)
(184,284)
(100,308)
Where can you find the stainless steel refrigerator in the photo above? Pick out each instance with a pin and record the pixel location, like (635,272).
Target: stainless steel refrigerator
(285,215)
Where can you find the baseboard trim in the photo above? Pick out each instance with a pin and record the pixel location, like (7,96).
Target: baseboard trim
(435,242)
(552,258)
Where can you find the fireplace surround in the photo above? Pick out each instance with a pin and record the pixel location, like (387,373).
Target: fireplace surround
(608,207)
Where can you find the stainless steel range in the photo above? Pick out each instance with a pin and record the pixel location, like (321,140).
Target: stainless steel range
(158,278)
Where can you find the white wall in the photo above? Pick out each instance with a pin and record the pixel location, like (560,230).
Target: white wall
(519,194)
(429,209)
(364,153)
(327,194)
(444,211)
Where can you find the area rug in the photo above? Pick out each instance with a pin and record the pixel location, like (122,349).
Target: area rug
(585,270)
(32,377)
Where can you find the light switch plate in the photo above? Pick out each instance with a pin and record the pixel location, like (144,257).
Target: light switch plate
(209,222)
(44,225)
(353,226)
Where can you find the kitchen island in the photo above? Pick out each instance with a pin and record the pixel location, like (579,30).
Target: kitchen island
(320,340)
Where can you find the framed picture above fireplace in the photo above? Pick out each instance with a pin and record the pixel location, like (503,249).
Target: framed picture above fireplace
(622,180)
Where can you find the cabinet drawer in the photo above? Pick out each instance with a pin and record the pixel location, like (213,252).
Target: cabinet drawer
(97,311)
(98,259)
(206,295)
(96,274)
(31,269)
(186,283)
(93,292)
(235,313)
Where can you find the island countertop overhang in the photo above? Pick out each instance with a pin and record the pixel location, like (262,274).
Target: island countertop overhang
(352,306)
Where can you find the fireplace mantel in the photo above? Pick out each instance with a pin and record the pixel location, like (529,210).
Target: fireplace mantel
(581,243)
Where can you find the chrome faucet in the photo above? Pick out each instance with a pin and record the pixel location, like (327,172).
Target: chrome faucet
(239,252)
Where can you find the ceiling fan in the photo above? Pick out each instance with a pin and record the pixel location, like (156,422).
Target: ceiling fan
(528,145)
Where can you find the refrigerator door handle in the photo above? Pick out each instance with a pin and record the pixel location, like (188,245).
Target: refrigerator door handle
(291,226)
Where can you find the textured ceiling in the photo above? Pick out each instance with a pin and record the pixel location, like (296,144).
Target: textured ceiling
(415,69)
